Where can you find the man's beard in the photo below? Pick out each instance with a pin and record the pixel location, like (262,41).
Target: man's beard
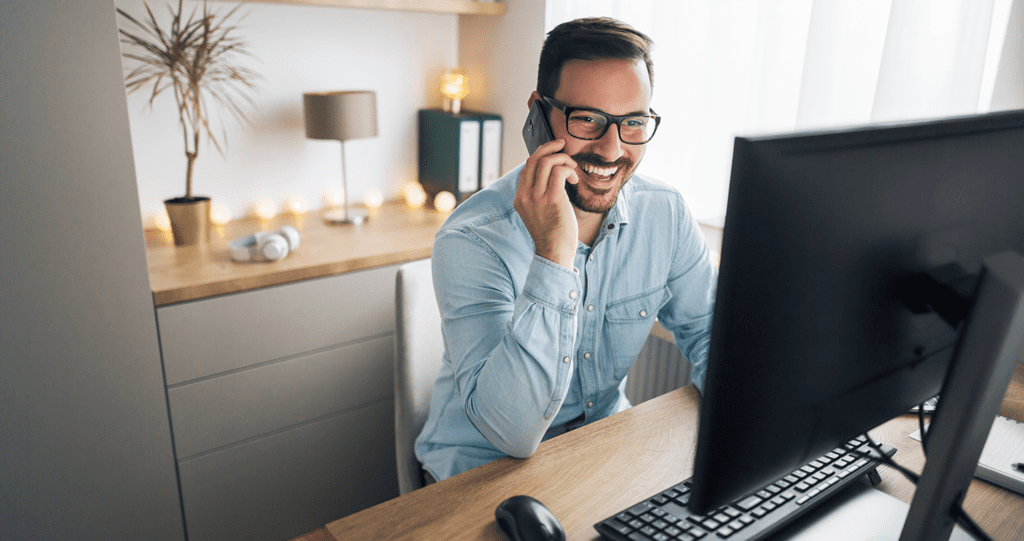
(625,167)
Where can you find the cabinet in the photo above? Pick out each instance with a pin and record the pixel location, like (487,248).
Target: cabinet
(281,404)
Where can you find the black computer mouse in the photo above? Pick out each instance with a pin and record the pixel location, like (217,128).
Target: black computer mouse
(523,518)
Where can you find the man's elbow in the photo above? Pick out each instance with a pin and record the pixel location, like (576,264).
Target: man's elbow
(519,449)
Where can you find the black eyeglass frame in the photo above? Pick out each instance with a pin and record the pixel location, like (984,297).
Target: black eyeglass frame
(612,119)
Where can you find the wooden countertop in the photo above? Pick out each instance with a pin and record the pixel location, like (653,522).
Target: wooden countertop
(394,234)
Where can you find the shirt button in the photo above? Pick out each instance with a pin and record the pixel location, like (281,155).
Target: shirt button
(611,226)
(590,404)
(591,257)
(643,313)
(572,294)
(590,308)
(565,360)
(586,355)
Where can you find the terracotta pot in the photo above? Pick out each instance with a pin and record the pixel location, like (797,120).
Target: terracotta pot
(190,219)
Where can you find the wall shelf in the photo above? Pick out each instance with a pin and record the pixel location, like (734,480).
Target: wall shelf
(461,7)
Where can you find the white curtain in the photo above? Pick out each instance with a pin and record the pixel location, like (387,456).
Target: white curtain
(745,67)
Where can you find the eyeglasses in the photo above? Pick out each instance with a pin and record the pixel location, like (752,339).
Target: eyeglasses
(591,124)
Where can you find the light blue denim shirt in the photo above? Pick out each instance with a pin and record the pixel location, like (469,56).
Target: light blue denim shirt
(533,349)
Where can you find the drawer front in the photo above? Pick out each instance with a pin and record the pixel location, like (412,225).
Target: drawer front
(216,335)
(218,411)
(293,482)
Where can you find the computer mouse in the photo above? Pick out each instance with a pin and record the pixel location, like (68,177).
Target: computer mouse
(523,518)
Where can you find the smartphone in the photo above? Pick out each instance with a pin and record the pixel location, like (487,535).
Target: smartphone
(536,131)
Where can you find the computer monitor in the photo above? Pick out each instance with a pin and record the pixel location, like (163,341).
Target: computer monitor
(850,260)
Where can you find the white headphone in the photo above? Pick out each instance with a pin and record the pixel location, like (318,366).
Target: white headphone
(265,245)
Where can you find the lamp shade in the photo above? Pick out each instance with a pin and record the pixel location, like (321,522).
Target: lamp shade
(342,115)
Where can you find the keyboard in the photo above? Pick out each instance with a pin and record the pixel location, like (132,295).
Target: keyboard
(665,516)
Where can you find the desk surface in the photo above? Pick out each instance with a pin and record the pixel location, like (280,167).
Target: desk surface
(598,470)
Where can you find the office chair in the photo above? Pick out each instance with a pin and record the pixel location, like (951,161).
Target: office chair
(419,352)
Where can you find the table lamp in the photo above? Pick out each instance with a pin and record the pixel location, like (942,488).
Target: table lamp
(341,115)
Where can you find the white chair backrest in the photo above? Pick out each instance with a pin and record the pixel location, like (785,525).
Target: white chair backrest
(419,353)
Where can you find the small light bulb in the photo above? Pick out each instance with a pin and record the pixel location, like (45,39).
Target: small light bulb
(295,205)
(373,200)
(334,198)
(162,221)
(415,195)
(444,201)
(220,214)
(265,209)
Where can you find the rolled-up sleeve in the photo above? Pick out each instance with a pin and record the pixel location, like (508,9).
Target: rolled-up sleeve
(511,353)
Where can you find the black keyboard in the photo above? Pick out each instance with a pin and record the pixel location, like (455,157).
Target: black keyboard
(665,515)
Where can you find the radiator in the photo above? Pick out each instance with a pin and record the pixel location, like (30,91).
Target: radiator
(660,368)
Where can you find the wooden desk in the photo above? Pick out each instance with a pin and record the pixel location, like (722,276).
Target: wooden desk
(598,470)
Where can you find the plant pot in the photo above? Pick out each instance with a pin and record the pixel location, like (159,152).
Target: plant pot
(190,219)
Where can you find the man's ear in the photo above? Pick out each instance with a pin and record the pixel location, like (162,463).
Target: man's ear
(534,96)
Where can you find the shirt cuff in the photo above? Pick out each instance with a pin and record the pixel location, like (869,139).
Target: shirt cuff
(554,285)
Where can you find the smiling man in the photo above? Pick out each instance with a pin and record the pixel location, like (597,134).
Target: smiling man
(550,280)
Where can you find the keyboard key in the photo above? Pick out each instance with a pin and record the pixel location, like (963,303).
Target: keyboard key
(736,525)
(759,512)
(697,533)
(750,502)
(648,518)
(637,536)
(791,478)
(659,524)
(672,531)
(618,526)
(660,499)
(636,524)
(657,512)
(647,530)
(815,464)
(640,508)
(660,537)
(724,532)
(670,519)
(710,524)
(731,512)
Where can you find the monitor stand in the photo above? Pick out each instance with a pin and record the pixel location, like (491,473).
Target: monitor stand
(857,513)
(990,346)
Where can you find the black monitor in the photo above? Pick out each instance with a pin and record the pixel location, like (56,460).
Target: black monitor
(849,272)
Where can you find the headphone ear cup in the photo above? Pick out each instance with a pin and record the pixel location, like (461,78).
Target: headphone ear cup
(292,236)
(273,246)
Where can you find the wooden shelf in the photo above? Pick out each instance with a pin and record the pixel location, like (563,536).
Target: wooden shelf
(394,234)
(461,7)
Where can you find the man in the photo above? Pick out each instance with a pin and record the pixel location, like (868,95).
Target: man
(550,280)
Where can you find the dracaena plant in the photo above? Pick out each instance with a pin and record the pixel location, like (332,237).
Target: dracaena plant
(195,57)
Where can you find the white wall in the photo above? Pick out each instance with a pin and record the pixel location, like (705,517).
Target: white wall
(500,55)
(400,55)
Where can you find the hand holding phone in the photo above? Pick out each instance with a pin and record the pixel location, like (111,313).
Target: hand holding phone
(536,131)
(541,200)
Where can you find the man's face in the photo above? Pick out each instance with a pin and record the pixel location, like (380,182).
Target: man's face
(617,87)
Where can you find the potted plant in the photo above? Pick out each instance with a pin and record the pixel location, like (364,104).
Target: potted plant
(194,58)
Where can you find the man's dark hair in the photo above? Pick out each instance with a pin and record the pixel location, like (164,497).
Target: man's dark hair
(595,38)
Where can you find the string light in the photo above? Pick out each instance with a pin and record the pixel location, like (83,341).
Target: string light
(373,200)
(162,221)
(415,195)
(265,209)
(295,205)
(220,214)
(334,198)
(444,201)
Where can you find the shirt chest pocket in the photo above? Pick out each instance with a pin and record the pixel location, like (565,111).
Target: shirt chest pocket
(629,322)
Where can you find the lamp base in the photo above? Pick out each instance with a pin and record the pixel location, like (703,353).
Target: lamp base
(352,217)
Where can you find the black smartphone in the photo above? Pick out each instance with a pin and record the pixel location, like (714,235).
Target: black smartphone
(536,131)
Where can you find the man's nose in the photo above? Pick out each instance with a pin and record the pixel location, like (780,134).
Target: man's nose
(609,146)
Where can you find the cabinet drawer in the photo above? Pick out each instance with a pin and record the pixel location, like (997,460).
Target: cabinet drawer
(211,336)
(293,482)
(210,413)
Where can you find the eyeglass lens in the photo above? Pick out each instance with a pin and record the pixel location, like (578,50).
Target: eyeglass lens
(592,125)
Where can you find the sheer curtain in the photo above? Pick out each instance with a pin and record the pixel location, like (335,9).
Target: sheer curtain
(744,67)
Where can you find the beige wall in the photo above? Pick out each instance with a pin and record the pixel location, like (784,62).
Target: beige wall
(502,53)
